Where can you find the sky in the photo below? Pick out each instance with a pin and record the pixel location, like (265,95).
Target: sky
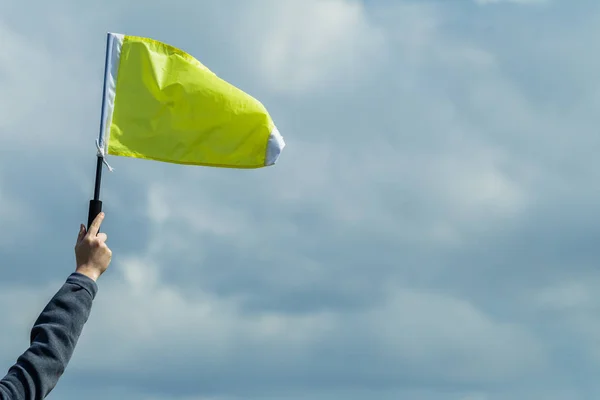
(429,232)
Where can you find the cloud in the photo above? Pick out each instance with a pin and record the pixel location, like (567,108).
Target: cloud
(265,352)
(428,234)
(40,82)
(341,44)
(485,2)
(17,220)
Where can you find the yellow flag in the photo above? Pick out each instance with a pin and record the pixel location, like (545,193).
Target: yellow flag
(162,104)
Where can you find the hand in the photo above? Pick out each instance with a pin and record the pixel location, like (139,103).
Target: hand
(91,252)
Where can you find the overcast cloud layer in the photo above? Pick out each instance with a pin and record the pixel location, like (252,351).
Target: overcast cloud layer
(429,233)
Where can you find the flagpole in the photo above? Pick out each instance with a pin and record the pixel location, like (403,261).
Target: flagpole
(95,203)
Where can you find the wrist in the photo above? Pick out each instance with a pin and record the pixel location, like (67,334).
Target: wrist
(89,272)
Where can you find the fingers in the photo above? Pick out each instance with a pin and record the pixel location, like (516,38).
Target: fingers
(95,226)
(81,234)
(102,237)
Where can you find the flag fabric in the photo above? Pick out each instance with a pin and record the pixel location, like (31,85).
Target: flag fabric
(160,103)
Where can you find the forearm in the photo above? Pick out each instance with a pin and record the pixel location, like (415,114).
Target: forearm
(53,339)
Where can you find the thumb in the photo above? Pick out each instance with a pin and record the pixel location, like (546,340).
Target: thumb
(82,232)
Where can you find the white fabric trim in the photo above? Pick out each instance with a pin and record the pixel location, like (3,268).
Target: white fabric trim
(274,147)
(113,57)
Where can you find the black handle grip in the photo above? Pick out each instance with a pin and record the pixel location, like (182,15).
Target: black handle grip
(95,209)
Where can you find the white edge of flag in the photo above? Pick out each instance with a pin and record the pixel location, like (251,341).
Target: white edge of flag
(114,43)
(275,145)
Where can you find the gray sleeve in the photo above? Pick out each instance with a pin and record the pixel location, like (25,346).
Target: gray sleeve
(53,339)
